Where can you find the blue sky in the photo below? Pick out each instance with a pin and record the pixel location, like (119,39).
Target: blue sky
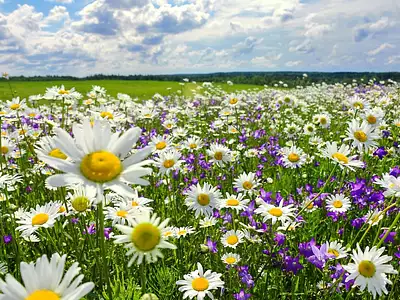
(83,37)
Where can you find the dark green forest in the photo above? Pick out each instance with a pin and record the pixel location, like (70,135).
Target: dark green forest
(259,78)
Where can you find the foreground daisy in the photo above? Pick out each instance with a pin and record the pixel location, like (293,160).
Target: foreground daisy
(230,258)
(275,213)
(200,284)
(369,270)
(235,202)
(246,183)
(99,158)
(338,203)
(232,238)
(144,239)
(202,199)
(45,280)
(293,157)
(42,216)
(341,155)
(219,154)
(363,136)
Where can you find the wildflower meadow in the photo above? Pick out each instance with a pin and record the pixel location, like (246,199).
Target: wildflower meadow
(279,193)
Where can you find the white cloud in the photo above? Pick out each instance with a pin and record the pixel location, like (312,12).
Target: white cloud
(293,63)
(361,32)
(305,47)
(393,60)
(62,1)
(380,49)
(268,61)
(57,14)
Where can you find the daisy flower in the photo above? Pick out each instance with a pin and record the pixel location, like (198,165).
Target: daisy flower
(356,102)
(16,104)
(363,136)
(7,147)
(160,143)
(121,214)
(336,249)
(81,198)
(9,181)
(338,203)
(391,184)
(219,154)
(208,221)
(235,202)
(99,158)
(193,143)
(374,216)
(40,217)
(202,199)
(374,116)
(46,279)
(275,213)
(199,284)
(293,157)
(144,239)
(369,270)
(183,231)
(230,258)
(341,156)
(232,238)
(168,161)
(246,183)
(309,129)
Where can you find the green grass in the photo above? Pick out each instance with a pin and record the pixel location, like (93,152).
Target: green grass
(139,89)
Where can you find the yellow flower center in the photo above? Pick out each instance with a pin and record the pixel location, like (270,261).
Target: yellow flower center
(43,295)
(323,121)
(169,126)
(247,185)
(182,232)
(218,155)
(232,202)
(310,205)
(193,146)
(101,166)
(367,268)
(333,251)
(22,131)
(233,101)
(146,236)
(200,284)
(161,145)
(358,105)
(32,115)
(203,199)
(232,240)
(61,209)
(276,211)
(107,115)
(63,92)
(40,219)
(168,163)
(337,203)
(80,204)
(15,106)
(371,119)
(341,157)
(122,213)
(293,157)
(230,260)
(361,136)
(287,99)
(4,149)
(134,203)
(147,115)
(57,153)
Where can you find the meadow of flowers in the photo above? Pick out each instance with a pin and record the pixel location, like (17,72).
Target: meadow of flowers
(274,194)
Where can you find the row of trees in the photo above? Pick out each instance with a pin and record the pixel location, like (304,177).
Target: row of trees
(259,78)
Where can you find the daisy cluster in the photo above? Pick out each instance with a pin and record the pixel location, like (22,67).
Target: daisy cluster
(258,194)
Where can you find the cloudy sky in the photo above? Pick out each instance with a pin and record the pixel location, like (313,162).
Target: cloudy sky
(82,37)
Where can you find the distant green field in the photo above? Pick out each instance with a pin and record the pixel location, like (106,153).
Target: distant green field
(139,89)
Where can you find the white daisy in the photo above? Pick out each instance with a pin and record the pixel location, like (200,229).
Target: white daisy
(369,270)
(275,213)
(293,157)
(336,249)
(338,203)
(99,158)
(46,279)
(202,200)
(200,284)
(168,161)
(363,136)
(341,156)
(230,258)
(40,217)
(246,183)
(81,198)
(219,154)
(144,239)
(232,238)
(235,202)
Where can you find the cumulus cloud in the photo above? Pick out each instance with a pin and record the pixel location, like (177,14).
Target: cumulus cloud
(247,46)
(57,14)
(361,32)
(305,47)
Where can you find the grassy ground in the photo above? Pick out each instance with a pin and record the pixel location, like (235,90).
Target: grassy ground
(139,89)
